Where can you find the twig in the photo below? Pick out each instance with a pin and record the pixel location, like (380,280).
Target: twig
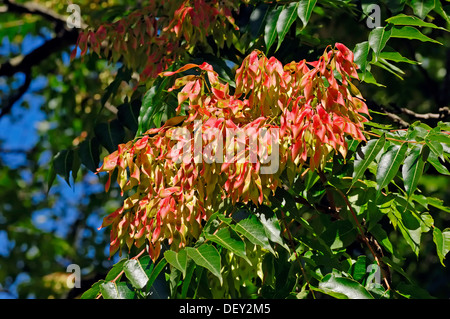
(367,241)
(394,139)
(394,117)
(291,242)
(374,252)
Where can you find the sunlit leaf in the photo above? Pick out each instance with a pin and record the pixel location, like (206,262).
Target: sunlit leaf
(178,259)
(403,19)
(206,256)
(378,38)
(270,30)
(135,274)
(343,288)
(366,156)
(411,33)
(361,52)
(227,238)
(115,270)
(305,10)
(285,20)
(253,230)
(389,164)
(422,7)
(442,241)
(413,168)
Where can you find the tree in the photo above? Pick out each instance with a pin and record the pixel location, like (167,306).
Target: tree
(339,112)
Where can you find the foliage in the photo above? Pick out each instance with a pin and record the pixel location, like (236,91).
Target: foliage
(346,208)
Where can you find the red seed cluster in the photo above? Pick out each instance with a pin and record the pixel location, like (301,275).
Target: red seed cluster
(281,117)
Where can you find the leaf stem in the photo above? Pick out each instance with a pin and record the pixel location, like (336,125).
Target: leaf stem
(394,139)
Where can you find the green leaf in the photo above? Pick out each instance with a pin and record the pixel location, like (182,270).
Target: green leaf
(128,114)
(436,202)
(442,241)
(253,230)
(411,33)
(389,164)
(62,163)
(135,274)
(178,260)
(227,238)
(339,234)
(403,19)
(439,137)
(154,102)
(155,273)
(92,292)
(435,147)
(395,56)
(366,156)
(75,164)
(109,290)
(434,160)
(270,30)
(110,134)
(123,74)
(256,21)
(287,17)
(115,270)
(410,228)
(440,10)
(187,280)
(271,225)
(208,257)
(413,168)
(378,38)
(343,288)
(422,7)
(89,153)
(305,10)
(361,52)
(393,265)
(359,268)
(125,291)
(389,67)
(51,175)
(412,291)
(368,77)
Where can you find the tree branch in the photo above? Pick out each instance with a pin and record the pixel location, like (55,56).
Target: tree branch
(443,113)
(392,116)
(24,63)
(14,98)
(34,8)
(64,37)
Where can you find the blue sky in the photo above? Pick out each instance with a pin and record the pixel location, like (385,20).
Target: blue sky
(19,132)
